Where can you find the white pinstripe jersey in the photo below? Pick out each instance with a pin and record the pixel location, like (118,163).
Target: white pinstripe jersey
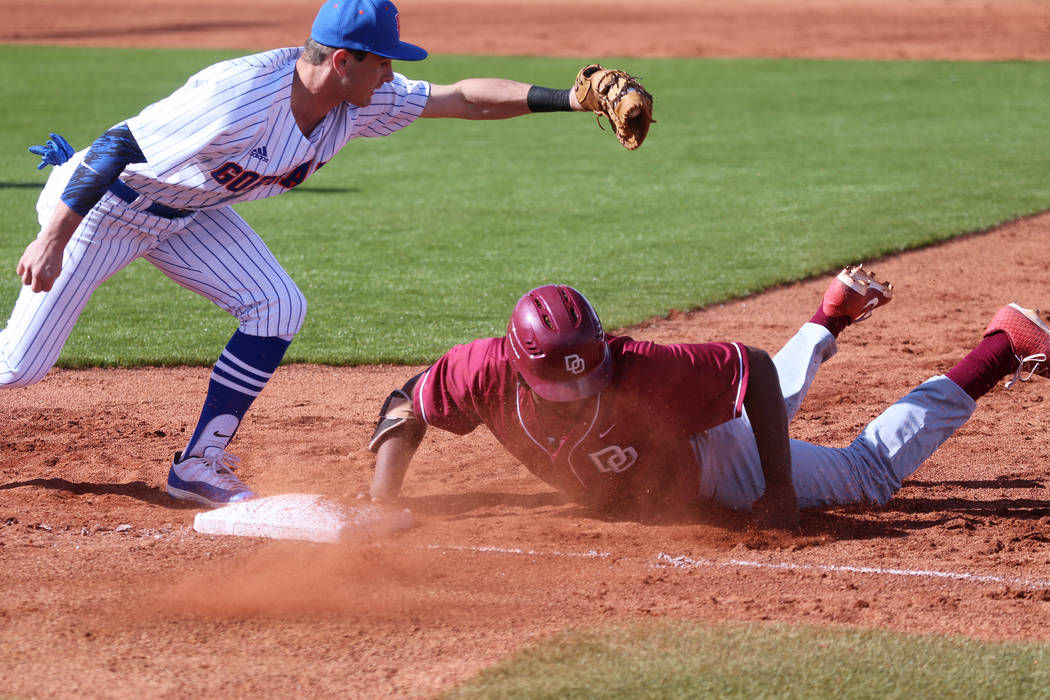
(228,135)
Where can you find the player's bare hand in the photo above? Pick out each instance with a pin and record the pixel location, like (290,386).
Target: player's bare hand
(777,509)
(574,102)
(40,265)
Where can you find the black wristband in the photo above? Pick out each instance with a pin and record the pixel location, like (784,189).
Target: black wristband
(543,99)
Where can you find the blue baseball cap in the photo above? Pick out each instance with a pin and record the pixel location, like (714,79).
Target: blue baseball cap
(364,25)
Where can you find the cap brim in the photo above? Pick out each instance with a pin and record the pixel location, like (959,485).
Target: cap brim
(404,51)
(583,388)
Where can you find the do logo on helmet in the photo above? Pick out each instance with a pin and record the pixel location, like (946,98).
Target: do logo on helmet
(574,364)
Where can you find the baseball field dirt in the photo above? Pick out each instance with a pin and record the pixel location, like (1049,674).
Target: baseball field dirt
(108,591)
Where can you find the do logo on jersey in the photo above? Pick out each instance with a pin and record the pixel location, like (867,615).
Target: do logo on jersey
(614,459)
(575,364)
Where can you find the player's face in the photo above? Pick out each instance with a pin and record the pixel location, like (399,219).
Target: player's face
(362,78)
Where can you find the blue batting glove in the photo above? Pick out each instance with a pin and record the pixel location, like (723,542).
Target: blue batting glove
(56,152)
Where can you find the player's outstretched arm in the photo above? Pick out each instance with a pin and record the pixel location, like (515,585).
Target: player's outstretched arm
(495,98)
(395,440)
(609,93)
(764,402)
(392,461)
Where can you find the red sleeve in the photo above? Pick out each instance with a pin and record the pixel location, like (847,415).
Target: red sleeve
(701,384)
(718,371)
(461,388)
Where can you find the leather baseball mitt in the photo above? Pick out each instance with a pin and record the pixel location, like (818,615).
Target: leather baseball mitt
(620,98)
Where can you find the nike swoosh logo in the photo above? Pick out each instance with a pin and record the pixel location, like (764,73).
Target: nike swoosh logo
(220,435)
(606,431)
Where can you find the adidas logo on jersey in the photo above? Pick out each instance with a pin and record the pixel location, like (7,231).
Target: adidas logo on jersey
(259,153)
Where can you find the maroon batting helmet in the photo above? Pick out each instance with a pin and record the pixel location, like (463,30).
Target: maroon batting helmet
(557,344)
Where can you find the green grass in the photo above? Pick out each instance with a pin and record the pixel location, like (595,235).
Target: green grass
(678,659)
(758,172)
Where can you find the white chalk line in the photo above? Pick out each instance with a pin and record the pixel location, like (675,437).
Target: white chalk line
(590,554)
(683,562)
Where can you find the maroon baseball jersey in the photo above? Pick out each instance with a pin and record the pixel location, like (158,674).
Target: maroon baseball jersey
(627,446)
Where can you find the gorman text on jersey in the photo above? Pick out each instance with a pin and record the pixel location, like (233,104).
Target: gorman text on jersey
(237,179)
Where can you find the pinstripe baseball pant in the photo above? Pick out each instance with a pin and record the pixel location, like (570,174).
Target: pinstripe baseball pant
(212,252)
(870,470)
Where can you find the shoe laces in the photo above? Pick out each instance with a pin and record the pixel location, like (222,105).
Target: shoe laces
(221,464)
(1035,361)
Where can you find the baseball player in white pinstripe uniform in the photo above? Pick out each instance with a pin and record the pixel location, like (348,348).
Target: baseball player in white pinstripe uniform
(159,186)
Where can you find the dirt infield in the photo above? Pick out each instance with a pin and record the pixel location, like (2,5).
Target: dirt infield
(887,29)
(108,592)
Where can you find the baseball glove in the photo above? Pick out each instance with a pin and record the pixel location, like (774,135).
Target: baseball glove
(620,98)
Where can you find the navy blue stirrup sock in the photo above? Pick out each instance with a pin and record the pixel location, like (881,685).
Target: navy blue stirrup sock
(238,376)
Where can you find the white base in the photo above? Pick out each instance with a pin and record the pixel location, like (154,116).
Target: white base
(302,516)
